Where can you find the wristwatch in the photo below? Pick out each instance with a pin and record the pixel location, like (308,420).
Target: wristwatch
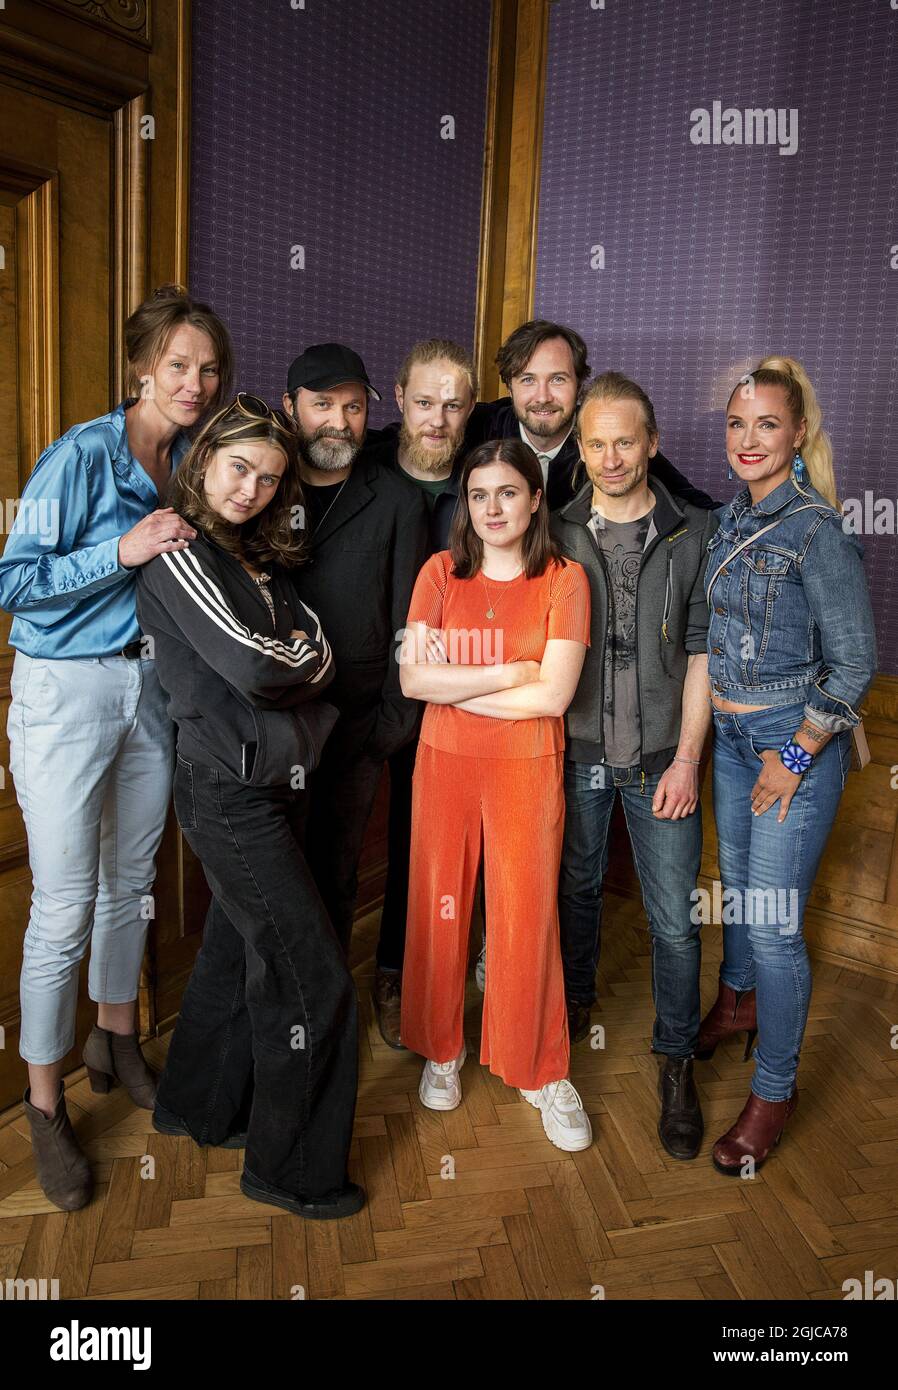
(795,758)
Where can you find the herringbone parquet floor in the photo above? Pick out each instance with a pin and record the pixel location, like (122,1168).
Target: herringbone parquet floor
(477,1204)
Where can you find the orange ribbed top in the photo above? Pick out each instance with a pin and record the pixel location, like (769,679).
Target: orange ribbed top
(527,613)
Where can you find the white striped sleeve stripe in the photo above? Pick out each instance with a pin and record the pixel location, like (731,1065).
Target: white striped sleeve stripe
(319,637)
(202,591)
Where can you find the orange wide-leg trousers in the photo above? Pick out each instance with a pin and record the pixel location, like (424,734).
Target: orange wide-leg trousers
(515,806)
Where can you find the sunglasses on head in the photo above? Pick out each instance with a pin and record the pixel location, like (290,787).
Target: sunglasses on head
(249,404)
(255,408)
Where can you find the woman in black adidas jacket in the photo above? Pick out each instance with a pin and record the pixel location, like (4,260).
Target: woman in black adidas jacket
(267,1028)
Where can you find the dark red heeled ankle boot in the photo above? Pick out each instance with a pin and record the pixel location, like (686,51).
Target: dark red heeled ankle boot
(758,1130)
(732,1012)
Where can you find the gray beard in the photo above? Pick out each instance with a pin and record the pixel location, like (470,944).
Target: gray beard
(329,455)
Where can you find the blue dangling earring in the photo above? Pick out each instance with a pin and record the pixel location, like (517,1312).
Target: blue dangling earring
(798,468)
(729,470)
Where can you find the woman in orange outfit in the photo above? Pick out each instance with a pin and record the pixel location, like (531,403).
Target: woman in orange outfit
(496,638)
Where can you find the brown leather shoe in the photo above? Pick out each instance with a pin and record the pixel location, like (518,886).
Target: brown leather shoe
(61,1167)
(111,1057)
(387,998)
(733,1011)
(758,1130)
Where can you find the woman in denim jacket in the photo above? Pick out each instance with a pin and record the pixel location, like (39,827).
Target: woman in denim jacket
(791,654)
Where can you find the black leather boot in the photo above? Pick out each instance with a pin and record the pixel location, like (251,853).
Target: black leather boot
(681,1126)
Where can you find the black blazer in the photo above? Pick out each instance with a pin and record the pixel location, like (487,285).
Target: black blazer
(365,558)
(384,447)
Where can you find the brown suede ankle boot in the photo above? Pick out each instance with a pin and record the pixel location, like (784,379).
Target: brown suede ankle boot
(61,1167)
(111,1057)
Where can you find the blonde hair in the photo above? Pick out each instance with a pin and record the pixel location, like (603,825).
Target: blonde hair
(816,447)
(438,350)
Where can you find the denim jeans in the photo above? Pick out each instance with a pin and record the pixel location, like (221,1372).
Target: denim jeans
(269,1017)
(90,749)
(767,871)
(667,854)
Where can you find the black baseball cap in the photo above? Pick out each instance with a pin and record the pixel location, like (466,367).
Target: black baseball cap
(326,365)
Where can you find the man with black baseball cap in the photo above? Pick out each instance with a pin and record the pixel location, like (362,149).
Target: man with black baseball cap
(326,365)
(368,538)
(327,395)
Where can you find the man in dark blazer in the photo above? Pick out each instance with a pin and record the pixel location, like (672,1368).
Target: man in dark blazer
(367,529)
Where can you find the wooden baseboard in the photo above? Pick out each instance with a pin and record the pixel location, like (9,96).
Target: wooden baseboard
(882,698)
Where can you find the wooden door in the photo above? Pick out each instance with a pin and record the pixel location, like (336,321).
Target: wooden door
(85,92)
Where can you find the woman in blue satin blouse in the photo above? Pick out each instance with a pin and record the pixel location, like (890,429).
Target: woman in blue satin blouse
(91,745)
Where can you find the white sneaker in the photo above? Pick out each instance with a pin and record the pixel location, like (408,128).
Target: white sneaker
(440,1087)
(480,969)
(565,1121)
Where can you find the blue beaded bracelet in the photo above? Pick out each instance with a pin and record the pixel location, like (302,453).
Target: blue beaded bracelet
(795,758)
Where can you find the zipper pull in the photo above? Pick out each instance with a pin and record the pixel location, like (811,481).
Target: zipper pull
(668,597)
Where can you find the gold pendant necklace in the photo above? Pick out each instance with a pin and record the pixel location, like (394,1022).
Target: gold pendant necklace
(491,610)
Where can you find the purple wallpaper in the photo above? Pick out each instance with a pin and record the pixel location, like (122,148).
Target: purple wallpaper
(716,253)
(322,127)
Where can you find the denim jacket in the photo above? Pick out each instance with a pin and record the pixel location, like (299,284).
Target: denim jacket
(790,618)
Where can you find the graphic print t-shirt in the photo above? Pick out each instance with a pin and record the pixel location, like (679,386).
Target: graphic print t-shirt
(622,544)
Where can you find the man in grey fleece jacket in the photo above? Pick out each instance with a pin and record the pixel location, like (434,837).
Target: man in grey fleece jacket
(637,726)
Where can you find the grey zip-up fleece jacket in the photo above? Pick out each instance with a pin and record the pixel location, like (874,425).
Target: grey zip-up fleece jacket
(671,623)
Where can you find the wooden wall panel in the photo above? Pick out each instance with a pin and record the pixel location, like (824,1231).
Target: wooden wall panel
(9,413)
(519,46)
(169,104)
